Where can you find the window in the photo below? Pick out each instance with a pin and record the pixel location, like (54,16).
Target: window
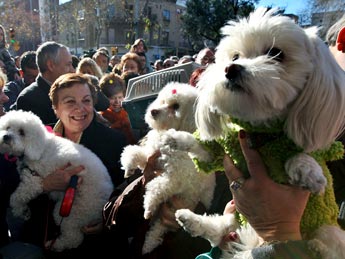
(165,37)
(166,15)
(111,11)
(81,14)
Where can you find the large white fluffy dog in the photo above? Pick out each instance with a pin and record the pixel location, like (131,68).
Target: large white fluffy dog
(39,153)
(280,83)
(172,109)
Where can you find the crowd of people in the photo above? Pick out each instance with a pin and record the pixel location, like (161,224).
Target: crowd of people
(80,98)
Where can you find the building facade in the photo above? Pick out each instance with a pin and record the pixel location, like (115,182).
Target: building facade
(116,24)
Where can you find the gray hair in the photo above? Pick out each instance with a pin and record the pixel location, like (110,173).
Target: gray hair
(48,51)
(333,31)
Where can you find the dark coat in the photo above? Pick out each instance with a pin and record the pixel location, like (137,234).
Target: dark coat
(9,180)
(10,65)
(35,98)
(108,145)
(12,89)
(123,217)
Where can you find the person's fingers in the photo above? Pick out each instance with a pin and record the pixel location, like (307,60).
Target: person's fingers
(231,171)
(65,166)
(149,170)
(153,157)
(256,167)
(231,237)
(167,216)
(80,180)
(92,228)
(75,170)
(177,203)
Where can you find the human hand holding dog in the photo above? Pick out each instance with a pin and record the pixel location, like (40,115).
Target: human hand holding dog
(167,209)
(150,171)
(273,210)
(59,180)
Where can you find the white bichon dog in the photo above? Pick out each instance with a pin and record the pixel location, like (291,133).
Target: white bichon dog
(173,108)
(39,153)
(280,83)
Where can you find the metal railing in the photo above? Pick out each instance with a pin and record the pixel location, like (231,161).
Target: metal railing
(153,83)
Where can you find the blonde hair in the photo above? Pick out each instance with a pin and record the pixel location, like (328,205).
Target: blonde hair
(3,78)
(4,40)
(89,62)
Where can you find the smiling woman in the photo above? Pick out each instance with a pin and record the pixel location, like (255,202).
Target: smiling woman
(73,97)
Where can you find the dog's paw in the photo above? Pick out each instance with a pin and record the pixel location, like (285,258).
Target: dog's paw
(189,221)
(22,212)
(55,245)
(128,172)
(26,213)
(167,142)
(177,140)
(147,214)
(304,171)
(133,157)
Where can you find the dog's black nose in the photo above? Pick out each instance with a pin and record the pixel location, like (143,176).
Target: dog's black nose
(154,112)
(233,71)
(6,138)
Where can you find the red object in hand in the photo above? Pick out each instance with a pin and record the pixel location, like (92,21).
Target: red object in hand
(67,202)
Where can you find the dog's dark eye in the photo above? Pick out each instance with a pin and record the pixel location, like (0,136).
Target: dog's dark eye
(21,132)
(276,54)
(235,57)
(175,106)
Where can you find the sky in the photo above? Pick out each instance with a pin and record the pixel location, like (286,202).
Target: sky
(291,6)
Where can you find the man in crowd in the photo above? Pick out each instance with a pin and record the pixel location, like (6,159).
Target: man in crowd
(29,71)
(102,59)
(53,60)
(205,57)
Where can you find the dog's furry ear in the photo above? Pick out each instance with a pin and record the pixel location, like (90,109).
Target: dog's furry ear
(35,148)
(188,120)
(187,111)
(316,118)
(36,136)
(208,121)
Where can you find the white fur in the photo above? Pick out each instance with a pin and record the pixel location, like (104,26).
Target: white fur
(173,108)
(23,134)
(306,89)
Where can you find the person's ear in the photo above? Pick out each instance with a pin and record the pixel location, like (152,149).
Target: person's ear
(50,65)
(341,40)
